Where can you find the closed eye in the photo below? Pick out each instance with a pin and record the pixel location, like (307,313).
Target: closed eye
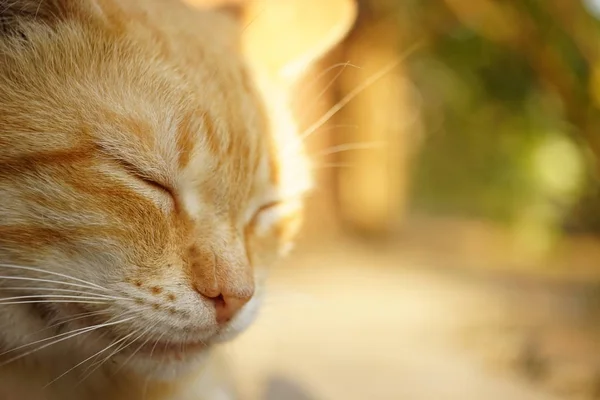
(267,207)
(261,211)
(154,184)
(145,178)
(268,216)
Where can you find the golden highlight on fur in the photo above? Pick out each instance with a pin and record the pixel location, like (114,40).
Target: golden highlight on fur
(145,184)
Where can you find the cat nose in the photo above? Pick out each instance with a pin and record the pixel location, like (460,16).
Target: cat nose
(226,307)
(225,280)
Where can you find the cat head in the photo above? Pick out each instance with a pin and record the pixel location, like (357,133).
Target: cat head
(146,179)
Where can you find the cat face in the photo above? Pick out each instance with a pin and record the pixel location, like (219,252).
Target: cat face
(144,187)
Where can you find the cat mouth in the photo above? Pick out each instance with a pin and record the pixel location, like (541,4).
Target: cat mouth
(146,347)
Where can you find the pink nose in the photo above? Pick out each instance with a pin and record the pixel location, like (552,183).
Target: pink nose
(226,280)
(226,307)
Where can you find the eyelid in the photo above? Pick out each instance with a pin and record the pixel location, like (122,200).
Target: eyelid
(262,209)
(265,207)
(142,176)
(155,184)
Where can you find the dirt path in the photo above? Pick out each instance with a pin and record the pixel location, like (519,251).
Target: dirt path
(354,324)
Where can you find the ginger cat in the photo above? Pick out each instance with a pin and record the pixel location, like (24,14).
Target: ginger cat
(146,184)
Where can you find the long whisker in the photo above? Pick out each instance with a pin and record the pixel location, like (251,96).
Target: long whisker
(52,296)
(315,167)
(350,146)
(71,335)
(340,126)
(48,289)
(47,339)
(323,128)
(334,165)
(12,303)
(314,81)
(98,363)
(156,344)
(358,90)
(331,82)
(145,389)
(24,278)
(87,359)
(137,349)
(88,284)
(122,347)
(66,320)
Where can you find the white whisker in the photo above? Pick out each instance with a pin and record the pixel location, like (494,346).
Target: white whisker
(24,278)
(145,388)
(334,165)
(88,284)
(340,126)
(324,128)
(70,335)
(358,90)
(137,349)
(351,146)
(316,80)
(96,364)
(48,289)
(327,87)
(70,318)
(52,296)
(53,301)
(122,347)
(87,359)
(66,320)
(47,339)
(156,344)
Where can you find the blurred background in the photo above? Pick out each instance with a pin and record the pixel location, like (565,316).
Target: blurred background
(452,244)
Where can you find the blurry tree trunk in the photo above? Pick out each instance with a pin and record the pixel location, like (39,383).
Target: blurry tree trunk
(373,181)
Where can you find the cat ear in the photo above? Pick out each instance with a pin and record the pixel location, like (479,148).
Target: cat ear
(282,38)
(286,37)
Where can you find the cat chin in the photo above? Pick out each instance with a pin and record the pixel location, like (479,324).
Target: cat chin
(169,368)
(161,369)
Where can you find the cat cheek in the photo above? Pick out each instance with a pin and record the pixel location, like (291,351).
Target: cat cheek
(281,220)
(266,222)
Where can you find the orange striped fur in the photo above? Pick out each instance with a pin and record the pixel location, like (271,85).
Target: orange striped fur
(140,167)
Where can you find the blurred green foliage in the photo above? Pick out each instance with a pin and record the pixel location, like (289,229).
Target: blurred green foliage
(508,107)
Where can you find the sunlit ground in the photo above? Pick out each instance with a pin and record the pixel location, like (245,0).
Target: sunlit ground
(348,321)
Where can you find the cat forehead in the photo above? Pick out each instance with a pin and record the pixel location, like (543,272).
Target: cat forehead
(205,136)
(188,117)
(217,153)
